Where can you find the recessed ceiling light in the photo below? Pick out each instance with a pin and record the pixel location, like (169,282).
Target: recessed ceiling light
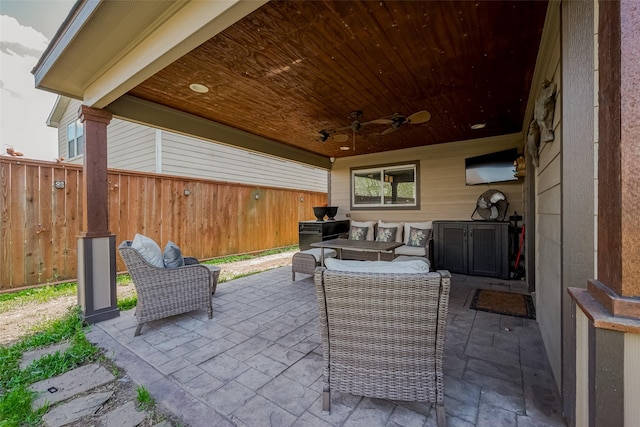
(345,148)
(197,87)
(478,126)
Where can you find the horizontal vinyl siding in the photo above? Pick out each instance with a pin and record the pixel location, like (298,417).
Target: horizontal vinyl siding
(131,146)
(69,116)
(548,186)
(443,192)
(186,156)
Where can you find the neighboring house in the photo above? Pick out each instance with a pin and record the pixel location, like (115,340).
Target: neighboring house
(142,148)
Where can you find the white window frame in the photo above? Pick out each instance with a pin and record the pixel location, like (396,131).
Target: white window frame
(75,139)
(384,172)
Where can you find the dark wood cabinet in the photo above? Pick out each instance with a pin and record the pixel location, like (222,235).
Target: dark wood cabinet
(316,231)
(477,248)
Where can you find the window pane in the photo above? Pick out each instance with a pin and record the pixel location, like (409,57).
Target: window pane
(71,132)
(79,129)
(391,186)
(401,185)
(72,148)
(366,188)
(80,144)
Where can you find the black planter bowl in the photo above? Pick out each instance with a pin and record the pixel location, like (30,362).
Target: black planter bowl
(320,212)
(331,212)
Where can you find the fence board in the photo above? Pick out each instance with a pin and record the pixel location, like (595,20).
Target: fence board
(5,224)
(17,210)
(45,225)
(59,238)
(40,225)
(73,211)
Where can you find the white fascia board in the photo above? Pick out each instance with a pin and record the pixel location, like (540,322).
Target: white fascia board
(57,111)
(85,11)
(192,25)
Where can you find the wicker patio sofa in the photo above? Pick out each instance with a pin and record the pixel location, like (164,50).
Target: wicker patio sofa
(383,335)
(164,292)
(402,235)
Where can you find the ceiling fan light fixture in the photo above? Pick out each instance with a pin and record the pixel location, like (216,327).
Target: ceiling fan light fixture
(478,126)
(345,148)
(198,88)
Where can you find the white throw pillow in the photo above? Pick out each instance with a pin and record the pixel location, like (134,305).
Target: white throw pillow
(172,255)
(149,250)
(421,225)
(410,267)
(397,225)
(368,224)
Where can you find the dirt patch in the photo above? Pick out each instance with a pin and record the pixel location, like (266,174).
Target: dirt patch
(21,321)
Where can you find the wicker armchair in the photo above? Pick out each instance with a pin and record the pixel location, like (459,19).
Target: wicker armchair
(164,292)
(383,335)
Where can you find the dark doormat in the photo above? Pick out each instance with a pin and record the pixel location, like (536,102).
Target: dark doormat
(503,303)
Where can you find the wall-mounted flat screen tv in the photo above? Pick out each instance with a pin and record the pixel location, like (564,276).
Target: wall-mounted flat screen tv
(492,167)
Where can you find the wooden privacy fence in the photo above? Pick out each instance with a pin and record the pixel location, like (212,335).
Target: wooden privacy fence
(41,217)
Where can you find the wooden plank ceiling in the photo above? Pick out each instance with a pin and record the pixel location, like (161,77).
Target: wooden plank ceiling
(293,68)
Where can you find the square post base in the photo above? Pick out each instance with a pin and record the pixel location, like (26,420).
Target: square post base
(97,278)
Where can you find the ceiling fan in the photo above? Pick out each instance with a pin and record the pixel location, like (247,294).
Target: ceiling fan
(355,126)
(329,135)
(396,121)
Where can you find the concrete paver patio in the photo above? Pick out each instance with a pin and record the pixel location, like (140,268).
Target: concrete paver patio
(258,362)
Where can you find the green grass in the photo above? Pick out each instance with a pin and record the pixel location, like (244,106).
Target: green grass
(127,303)
(42,294)
(15,398)
(145,401)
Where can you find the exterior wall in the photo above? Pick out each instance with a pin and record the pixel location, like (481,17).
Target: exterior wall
(631,379)
(131,146)
(548,201)
(142,148)
(582,370)
(443,193)
(580,171)
(182,155)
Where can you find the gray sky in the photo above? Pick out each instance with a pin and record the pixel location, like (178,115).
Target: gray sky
(26,28)
(44,16)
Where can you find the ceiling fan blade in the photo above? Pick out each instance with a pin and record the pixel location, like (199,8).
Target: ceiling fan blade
(378,122)
(339,138)
(419,117)
(388,131)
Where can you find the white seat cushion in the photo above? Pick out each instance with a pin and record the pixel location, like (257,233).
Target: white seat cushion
(410,267)
(411,250)
(316,252)
(405,258)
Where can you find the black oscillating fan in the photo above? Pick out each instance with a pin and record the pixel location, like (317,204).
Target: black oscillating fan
(492,205)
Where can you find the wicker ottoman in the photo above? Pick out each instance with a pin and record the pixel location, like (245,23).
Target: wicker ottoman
(307,261)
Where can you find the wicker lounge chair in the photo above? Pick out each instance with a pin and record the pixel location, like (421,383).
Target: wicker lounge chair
(383,335)
(164,292)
